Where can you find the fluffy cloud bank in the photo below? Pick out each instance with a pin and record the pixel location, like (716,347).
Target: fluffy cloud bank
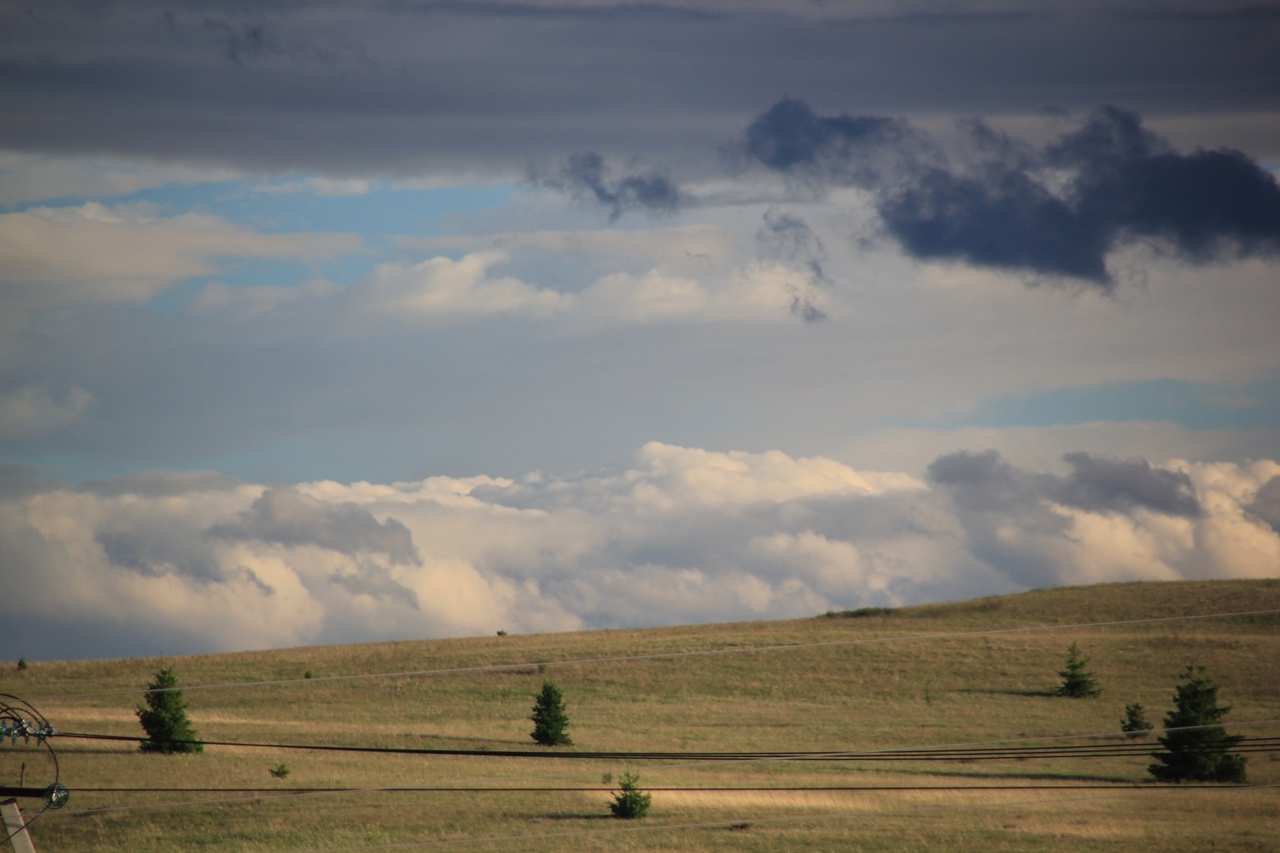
(441,290)
(184,562)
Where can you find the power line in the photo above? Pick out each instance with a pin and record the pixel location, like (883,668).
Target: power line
(597,789)
(292,794)
(678,765)
(1261,744)
(916,754)
(666,655)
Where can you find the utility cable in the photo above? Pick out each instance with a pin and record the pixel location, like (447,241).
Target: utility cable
(598,789)
(919,754)
(288,794)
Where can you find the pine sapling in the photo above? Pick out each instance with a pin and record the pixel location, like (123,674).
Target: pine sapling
(1135,722)
(630,802)
(1077,682)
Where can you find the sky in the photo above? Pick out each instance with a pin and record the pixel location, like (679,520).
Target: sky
(327,321)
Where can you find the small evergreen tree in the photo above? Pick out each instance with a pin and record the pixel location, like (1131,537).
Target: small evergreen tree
(1196,748)
(1077,682)
(630,802)
(165,718)
(549,718)
(1135,722)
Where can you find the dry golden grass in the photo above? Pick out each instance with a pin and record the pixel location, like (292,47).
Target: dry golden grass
(915,677)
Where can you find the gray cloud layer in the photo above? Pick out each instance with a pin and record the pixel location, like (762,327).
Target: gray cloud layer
(987,482)
(402,86)
(286,517)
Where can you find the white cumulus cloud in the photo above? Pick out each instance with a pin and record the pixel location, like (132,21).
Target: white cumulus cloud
(96,253)
(191,562)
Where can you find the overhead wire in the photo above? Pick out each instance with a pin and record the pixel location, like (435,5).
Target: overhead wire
(597,789)
(274,794)
(912,754)
(290,794)
(953,752)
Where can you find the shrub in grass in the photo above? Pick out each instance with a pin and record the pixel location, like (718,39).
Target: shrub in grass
(22,663)
(1077,682)
(165,717)
(1195,746)
(280,771)
(860,613)
(550,721)
(630,802)
(1135,722)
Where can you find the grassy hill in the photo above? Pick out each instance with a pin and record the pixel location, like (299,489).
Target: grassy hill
(963,673)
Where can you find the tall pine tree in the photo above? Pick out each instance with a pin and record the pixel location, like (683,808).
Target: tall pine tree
(549,718)
(1196,747)
(165,718)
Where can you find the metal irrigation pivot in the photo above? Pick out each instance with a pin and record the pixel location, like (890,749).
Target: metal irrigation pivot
(15,827)
(18,719)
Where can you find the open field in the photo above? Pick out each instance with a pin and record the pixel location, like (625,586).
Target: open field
(943,675)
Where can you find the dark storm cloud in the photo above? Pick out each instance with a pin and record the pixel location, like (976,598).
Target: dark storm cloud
(1004,220)
(1058,212)
(1266,505)
(1100,484)
(586,177)
(862,151)
(993,499)
(1205,204)
(985,482)
(159,548)
(1011,517)
(787,238)
(399,86)
(376,583)
(288,517)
